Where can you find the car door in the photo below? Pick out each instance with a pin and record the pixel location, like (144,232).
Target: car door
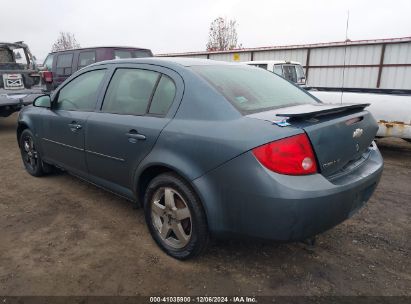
(65,123)
(138,104)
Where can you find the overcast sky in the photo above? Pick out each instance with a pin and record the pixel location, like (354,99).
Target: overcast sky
(182,25)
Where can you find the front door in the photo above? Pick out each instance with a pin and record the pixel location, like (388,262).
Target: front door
(64,126)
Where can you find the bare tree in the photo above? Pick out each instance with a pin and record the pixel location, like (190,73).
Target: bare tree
(66,41)
(222,35)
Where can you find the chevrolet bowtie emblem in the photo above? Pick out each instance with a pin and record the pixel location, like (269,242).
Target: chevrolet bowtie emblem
(357,133)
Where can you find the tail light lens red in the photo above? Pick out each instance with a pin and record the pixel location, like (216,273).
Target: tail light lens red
(48,76)
(292,156)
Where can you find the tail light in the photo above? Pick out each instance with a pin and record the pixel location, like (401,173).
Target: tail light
(48,76)
(292,156)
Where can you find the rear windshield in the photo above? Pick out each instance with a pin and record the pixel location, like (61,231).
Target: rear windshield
(252,90)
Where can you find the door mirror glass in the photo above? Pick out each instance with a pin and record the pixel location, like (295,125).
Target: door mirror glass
(42,101)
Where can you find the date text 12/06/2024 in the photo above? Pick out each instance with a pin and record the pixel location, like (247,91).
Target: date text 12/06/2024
(204,299)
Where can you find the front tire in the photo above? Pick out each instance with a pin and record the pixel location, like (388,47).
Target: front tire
(175,217)
(31,157)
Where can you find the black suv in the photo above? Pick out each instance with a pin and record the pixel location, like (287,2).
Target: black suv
(58,66)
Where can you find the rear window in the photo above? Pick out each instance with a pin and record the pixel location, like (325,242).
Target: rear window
(252,90)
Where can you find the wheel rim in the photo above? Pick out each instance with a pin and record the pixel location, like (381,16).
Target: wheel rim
(171,217)
(30,156)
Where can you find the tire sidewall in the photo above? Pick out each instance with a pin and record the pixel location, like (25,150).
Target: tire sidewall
(199,233)
(38,170)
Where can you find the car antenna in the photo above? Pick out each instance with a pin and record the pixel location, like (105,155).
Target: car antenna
(345,52)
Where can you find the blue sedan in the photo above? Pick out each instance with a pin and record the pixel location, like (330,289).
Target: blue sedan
(208,149)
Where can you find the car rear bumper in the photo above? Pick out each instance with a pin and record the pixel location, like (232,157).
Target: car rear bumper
(242,197)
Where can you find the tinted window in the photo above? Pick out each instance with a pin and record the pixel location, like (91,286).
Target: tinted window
(118,54)
(142,53)
(252,90)
(163,97)
(86,58)
(64,64)
(81,93)
(121,54)
(130,91)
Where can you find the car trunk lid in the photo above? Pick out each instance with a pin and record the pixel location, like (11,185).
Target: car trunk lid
(339,133)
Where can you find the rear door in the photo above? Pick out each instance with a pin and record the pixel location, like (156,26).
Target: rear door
(65,124)
(138,104)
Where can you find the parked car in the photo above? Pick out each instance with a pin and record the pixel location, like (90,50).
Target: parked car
(290,70)
(207,148)
(18,76)
(58,66)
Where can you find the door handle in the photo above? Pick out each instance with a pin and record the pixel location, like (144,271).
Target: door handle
(74,126)
(133,134)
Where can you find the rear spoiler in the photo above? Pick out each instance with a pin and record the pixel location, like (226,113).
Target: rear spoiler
(314,110)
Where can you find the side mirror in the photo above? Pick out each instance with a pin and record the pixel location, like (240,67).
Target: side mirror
(43,101)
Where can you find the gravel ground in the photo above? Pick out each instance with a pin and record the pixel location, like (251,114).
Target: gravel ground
(62,236)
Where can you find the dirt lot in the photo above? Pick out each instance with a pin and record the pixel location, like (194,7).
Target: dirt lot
(62,236)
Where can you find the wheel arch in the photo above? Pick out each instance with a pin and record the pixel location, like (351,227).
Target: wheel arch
(149,172)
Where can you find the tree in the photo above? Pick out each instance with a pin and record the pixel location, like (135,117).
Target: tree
(222,35)
(66,41)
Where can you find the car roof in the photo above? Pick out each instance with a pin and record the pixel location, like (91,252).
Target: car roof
(13,45)
(167,61)
(102,47)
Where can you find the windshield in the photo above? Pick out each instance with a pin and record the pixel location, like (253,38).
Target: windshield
(300,73)
(252,90)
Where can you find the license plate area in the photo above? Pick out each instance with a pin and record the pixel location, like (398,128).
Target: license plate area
(13,81)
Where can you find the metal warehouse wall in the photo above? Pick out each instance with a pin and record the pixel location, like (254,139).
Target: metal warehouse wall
(369,64)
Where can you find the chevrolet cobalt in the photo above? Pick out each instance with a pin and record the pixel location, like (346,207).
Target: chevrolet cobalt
(206,148)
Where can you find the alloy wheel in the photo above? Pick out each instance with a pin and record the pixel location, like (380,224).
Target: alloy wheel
(171,217)
(30,155)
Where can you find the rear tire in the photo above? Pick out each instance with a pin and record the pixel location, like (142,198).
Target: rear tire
(175,217)
(32,161)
